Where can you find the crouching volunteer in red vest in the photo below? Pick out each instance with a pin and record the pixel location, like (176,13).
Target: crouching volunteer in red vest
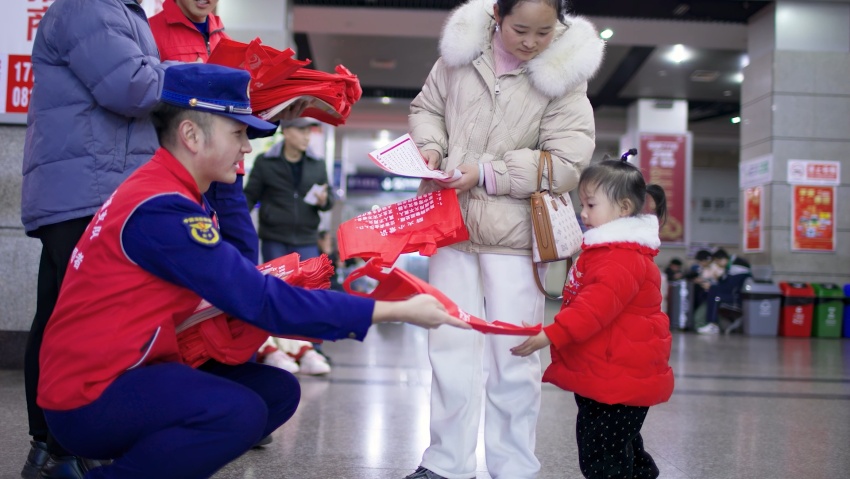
(112,385)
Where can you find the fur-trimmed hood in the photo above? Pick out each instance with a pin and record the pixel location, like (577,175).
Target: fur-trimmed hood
(641,230)
(571,59)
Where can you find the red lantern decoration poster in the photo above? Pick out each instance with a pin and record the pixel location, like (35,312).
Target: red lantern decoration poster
(664,162)
(753,217)
(813,218)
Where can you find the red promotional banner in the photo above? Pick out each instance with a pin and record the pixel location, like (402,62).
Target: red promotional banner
(753,217)
(813,218)
(398,285)
(663,161)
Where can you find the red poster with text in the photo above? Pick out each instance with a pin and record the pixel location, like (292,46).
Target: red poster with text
(753,215)
(813,218)
(19,84)
(663,161)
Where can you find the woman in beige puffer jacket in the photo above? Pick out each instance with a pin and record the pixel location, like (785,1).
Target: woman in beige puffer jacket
(505,87)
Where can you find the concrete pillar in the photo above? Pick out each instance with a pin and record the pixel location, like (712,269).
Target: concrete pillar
(654,116)
(795,105)
(19,254)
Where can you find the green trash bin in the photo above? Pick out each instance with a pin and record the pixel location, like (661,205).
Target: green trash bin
(829,309)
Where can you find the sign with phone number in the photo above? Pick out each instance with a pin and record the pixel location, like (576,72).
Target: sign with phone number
(18,28)
(19,80)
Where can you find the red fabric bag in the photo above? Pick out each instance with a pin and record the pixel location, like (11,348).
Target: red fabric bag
(276,78)
(265,64)
(421,224)
(229,340)
(398,285)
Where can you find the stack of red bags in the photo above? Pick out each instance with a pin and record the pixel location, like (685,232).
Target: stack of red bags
(212,334)
(421,224)
(278,80)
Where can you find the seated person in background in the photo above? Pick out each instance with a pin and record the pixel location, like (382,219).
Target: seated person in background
(702,260)
(112,384)
(715,269)
(673,271)
(726,292)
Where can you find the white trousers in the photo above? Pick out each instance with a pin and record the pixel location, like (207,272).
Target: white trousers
(471,368)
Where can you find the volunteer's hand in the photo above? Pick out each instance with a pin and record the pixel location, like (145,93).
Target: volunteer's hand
(534,343)
(422,310)
(433,157)
(467,181)
(293,111)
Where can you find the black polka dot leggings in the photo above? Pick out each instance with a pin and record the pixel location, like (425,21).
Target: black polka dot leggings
(609,442)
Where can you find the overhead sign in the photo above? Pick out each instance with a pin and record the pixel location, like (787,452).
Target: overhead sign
(381,183)
(812,172)
(756,172)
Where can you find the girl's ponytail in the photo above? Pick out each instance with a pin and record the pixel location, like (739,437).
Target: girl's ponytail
(660,199)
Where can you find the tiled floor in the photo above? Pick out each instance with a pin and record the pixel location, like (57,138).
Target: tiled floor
(743,408)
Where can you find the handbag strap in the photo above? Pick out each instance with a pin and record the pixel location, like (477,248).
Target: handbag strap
(545,159)
(540,284)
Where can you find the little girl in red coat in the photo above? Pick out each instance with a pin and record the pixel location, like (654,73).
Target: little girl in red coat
(610,343)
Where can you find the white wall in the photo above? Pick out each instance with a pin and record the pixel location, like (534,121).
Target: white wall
(715,201)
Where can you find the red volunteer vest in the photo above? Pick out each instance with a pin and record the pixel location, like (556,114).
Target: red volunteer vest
(113,316)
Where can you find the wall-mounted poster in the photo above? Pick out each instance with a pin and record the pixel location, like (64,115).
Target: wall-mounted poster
(813,218)
(663,160)
(753,217)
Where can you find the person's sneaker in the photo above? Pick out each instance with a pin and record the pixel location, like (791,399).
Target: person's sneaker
(710,328)
(422,473)
(314,363)
(67,467)
(321,350)
(281,360)
(35,460)
(263,442)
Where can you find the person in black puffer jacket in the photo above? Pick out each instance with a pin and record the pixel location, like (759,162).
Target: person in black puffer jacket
(280,182)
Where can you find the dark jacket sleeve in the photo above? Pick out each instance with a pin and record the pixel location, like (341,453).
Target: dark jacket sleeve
(324,175)
(254,187)
(234,217)
(158,241)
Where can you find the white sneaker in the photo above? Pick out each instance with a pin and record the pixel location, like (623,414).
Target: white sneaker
(314,363)
(710,328)
(281,360)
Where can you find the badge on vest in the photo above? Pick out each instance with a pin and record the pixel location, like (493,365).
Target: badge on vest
(201,230)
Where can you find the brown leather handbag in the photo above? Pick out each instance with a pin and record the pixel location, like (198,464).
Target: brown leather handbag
(555,232)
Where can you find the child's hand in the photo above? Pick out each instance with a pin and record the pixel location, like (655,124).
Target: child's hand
(531,344)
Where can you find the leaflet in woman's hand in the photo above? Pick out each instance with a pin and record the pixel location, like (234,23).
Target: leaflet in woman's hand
(403,158)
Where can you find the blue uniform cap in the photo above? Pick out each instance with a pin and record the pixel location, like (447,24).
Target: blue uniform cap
(213,89)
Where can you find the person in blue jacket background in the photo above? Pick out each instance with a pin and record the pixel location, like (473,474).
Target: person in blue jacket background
(112,385)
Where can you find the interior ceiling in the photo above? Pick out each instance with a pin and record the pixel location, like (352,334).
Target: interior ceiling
(392,44)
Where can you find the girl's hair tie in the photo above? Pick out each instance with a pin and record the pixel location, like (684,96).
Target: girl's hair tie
(626,155)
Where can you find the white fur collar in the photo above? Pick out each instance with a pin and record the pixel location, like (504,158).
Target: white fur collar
(571,59)
(642,230)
